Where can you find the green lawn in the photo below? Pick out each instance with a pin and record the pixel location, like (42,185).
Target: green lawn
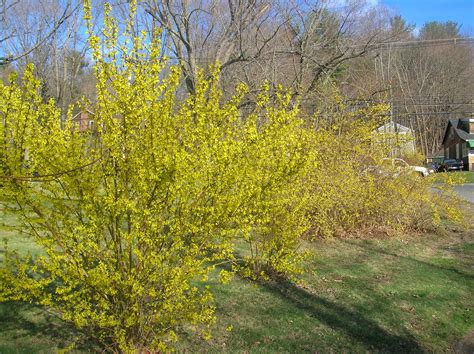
(457,177)
(9,233)
(469,176)
(404,294)
(359,295)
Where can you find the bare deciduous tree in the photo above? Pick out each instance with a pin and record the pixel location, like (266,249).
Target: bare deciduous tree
(293,43)
(21,33)
(427,79)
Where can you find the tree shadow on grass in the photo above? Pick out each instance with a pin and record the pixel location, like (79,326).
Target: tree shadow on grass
(372,248)
(32,327)
(353,324)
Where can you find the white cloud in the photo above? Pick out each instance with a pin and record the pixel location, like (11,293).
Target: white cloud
(416,31)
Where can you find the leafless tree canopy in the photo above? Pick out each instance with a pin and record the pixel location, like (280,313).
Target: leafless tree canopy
(292,43)
(426,79)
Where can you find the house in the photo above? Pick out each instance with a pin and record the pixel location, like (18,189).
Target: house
(400,138)
(437,157)
(458,141)
(84,120)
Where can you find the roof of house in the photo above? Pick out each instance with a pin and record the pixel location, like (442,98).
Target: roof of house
(439,153)
(392,127)
(459,126)
(78,114)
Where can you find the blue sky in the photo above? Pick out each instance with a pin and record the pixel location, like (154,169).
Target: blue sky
(417,12)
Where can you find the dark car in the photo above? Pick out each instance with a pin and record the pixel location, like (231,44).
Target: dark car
(451,165)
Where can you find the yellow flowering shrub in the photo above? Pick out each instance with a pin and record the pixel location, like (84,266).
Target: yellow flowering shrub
(277,156)
(133,214)
(355,188)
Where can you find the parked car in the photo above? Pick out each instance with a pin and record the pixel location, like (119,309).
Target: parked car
(401,165)
(451,165)
(394,167)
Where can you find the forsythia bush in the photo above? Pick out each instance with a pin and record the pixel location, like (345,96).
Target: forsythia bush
(355,188)
(133,214)
(277,152)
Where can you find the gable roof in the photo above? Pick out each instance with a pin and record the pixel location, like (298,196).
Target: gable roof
(78,114)
(392,127)
(458,129)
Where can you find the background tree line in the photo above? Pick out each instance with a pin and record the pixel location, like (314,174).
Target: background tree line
(366,51)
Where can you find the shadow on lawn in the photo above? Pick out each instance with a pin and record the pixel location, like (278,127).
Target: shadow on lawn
(372,248)
(354,324)
(26,323)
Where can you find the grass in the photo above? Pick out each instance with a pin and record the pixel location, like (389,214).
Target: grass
(9,232)
(469,176)
(403,294)
(28,329)
(456,177)
(394,295)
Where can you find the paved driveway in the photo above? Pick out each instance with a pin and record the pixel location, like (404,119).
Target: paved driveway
(466,191)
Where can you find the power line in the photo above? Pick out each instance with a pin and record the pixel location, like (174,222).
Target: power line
(429,42)
(463,97)
(432,113)
(420,43)
(408,103)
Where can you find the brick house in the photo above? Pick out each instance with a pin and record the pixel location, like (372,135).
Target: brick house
(458,141)
(84,120)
